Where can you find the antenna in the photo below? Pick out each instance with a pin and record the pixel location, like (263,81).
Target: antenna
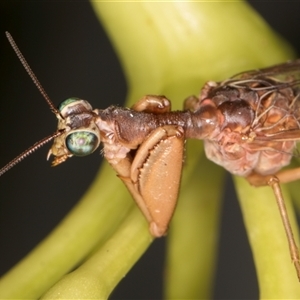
(45,140)
(30,73)
(29,151)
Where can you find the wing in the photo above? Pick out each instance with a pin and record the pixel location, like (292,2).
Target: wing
(286,72)
(283,136)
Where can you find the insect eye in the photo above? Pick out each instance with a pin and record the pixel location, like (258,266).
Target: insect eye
(82,143)
(66,102)
(74,105)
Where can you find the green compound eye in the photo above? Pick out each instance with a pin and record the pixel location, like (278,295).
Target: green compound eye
(82,143)
(74,105)
(67,102)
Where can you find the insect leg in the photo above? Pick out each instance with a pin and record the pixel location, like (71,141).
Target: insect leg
(153,104)
(191,103)
(273,182)
(294,252)
(156,174)
(152,175)
(288,175)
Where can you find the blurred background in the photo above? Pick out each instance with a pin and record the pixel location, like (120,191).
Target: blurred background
(72,56)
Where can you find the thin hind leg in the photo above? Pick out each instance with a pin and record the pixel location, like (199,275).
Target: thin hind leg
(274,183)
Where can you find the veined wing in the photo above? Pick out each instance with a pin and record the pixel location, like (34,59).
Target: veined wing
(285,72)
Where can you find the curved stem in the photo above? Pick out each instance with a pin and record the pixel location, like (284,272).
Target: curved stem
(98,276)
(276,274)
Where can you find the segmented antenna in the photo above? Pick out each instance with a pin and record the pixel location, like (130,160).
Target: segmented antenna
(45,140)
(29,151)
(30,73)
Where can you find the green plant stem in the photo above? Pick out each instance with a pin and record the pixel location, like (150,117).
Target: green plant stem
(88,225)
(193,241)
(174,47)
(186,44)
(97,277)
(276,274)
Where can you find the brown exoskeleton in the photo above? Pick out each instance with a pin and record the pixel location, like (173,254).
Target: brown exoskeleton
(141,144)
(256,114)
(144,145)
(249,125)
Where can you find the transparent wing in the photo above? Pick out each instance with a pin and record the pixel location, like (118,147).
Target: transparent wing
(286,72)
